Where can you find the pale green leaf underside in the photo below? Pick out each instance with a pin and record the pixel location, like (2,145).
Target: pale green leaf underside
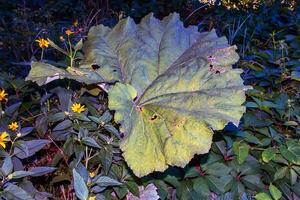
(176,87)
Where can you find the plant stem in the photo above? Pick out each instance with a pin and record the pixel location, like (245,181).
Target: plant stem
(42,54)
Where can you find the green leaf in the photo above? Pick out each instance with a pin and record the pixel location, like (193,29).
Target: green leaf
(39,171)
(80,116)
(280,173)
(7,166)
(276,194)
(80,187)
(133,187)
(241,150)
(238,189)
(262,196)
(165,116)
(110,128)
(56,117)
(218,169)
(268,154)
(291,152)
(90,142)
(13,192)
(32,145)
(63,125)
(25,131)
(201,187)
(20,174)
(293,177)
(215,184)
(105,181)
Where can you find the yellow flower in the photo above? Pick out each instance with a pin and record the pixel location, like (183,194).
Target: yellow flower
(3,139)
(13,126)
(92,174)
(43,43)
(2,95)
(69,32)
(77,107)
(92,198)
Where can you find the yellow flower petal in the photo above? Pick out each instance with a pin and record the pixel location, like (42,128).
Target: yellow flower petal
(92,174)
(4,138)
(92,198)
(3,95)
(69,32)
(3,145)
(4,135)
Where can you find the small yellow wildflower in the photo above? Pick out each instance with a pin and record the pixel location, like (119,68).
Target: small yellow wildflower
(13,126)
(77,108)
(43,43)
(92,174)
(92,198)
(3,139)
(69,32)
(2,95)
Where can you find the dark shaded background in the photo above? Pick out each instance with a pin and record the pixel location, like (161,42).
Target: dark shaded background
(22,22)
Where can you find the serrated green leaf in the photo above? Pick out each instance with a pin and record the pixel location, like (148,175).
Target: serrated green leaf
(276,194)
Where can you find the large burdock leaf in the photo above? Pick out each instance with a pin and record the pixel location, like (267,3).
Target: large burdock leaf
(176,86)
